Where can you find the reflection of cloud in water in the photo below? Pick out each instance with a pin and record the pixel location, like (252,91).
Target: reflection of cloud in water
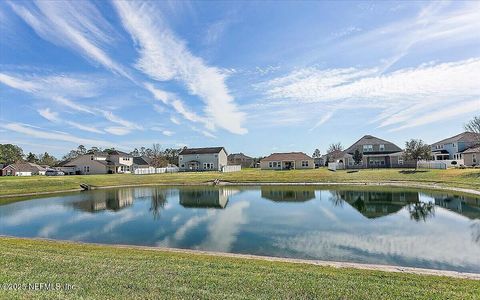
(222,226)
(475,226)
(19,217)
(223,230)
(53,228)
(347,246)
(121,217)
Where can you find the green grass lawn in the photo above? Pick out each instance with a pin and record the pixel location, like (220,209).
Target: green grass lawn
(105,272)
(467,178)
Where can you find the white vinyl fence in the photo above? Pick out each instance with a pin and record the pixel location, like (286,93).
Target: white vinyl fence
(431,165)
(152,170)
(231,168)
(336,166)
(440,164)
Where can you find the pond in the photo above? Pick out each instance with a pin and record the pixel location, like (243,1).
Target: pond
(405,227)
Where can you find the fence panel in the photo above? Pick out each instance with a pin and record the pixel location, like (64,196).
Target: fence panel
(231,168)
(152,170)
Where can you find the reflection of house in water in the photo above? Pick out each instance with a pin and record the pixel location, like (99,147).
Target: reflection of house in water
(206,197)
(106,200)
(281,194)
(466,206)
(378,204)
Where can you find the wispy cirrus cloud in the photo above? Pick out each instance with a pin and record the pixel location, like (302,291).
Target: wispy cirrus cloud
(79,26)
(37,132)
(179,106)
(165,57)
(400,96)
(54,117)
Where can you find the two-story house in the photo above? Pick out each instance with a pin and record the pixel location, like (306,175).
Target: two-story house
(98,163)
(202,159)
(376,153)
(452,147)
(240,159)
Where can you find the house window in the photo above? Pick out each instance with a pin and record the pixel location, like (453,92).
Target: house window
(367,148)
(474,158)
(382,147)
(180,158)
(304,163)
(197,156)
(91,157)
(400,160)
(183,166)
(270,164)
(207,166)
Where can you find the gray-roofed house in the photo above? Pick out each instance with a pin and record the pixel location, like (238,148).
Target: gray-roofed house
(98,163)
(471,156)
(202,159)
(287,161)
(240,159)
(22,169)
(377,153)
(453,147)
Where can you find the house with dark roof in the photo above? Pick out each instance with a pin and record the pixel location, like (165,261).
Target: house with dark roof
(453,147)
(377,153)
(287,161)
(22,168)
(240,159)
(202,159)
(98,163)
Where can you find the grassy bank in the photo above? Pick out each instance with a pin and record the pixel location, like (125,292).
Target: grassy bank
(117,273)
(468,178)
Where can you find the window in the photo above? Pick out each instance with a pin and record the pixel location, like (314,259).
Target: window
(382,147)
(270,164)
(207,166)
(91,157)
(183,166)
(304,163)
(474,158)
(197,156)
(180,157)
(400,160)
(367,148)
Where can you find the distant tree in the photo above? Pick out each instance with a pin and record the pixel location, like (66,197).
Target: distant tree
(157,157)
(357,157)
(335,147)
(31,157)
(109,150)
(135,152)
(416,150)
(10,153)
(93,150)
(473,125)
(47,159)
(81,150)
(316,153)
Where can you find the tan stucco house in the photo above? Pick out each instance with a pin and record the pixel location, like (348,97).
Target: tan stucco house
(287,161)
(377,153)
(471,156)
(98,163)
(202,159)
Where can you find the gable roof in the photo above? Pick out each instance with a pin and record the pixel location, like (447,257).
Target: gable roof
(141,161)
(372,140)
(118,152)
(238,155)
(21,167)
(466,136)
(209,150)
(287,156)
(474,149)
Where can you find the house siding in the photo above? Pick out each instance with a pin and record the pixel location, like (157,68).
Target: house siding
(471,159)
(265,165)
(217,159)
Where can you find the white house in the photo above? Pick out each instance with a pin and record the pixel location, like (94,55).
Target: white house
(453,147)
(202,159)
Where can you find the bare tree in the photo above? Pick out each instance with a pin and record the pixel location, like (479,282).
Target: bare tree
(335,147)
(158,159)
(473,125)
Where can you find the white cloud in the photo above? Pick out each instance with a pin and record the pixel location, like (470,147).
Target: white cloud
(401,96)
(79,26)
(163,131)
(126,125)
(118,130)
(49,115)
(164,57)
(174,120)
(84,127)
(172,100)
(49,135)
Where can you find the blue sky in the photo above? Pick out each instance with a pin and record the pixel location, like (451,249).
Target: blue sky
(255,77)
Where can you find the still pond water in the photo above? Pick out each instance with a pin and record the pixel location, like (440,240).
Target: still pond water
(398,227)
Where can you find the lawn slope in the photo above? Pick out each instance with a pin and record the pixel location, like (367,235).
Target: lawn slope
(105,272)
